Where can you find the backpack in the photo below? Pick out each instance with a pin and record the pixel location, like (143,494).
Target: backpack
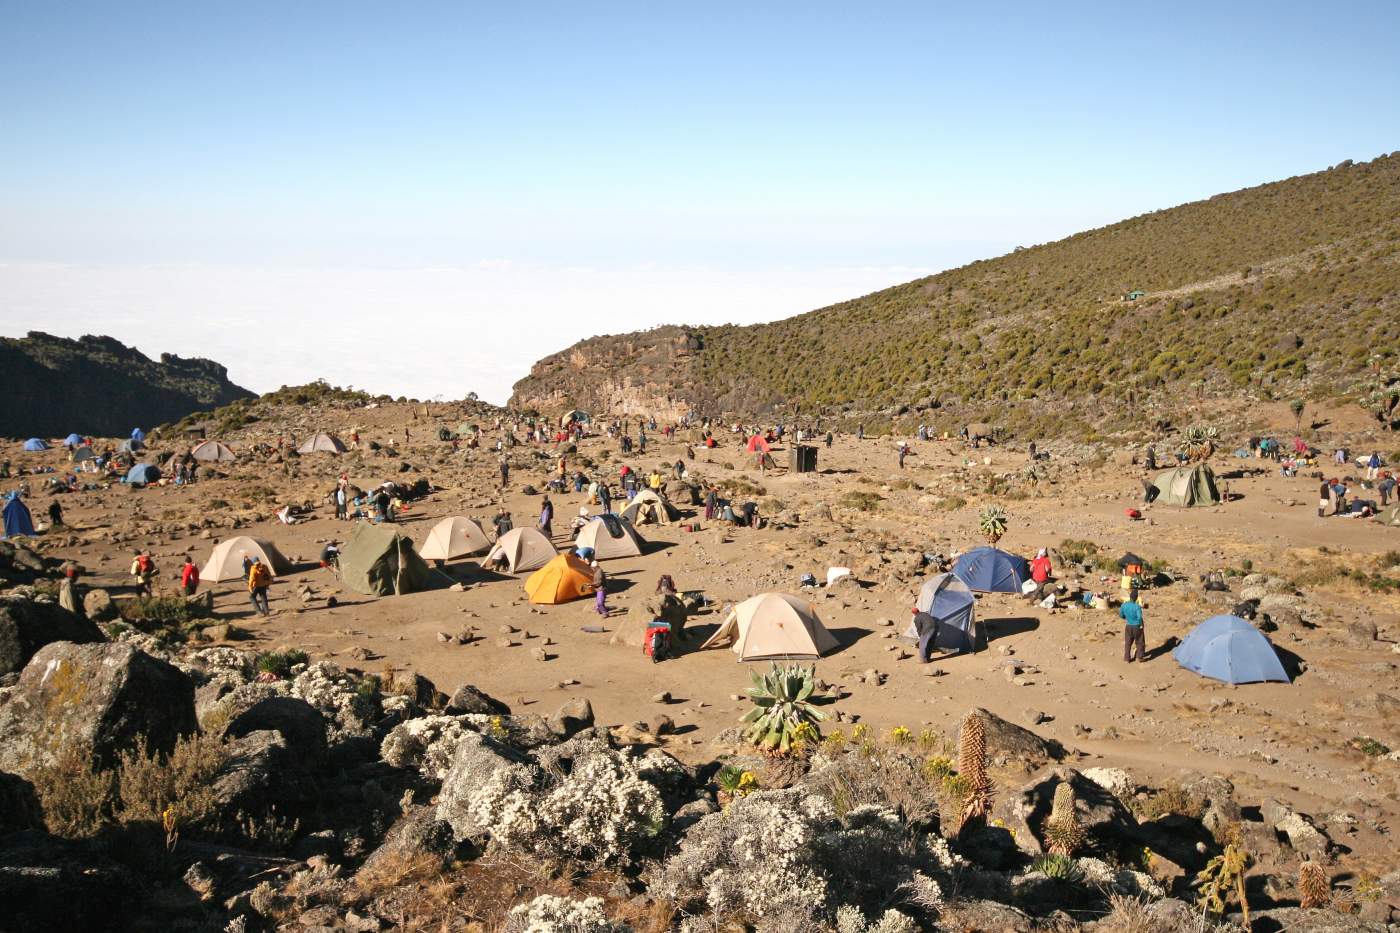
(657,642)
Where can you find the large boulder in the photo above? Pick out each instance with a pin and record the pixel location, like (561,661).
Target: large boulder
(476,760)
(261,772)
(98,699)
(1109,826)
(419,834)
(469,699)
(26,626)
(297,720)
(1011,746)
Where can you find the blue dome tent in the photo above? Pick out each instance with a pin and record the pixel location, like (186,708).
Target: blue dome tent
(1229,649)
(35,443)
(138,435)
(73,440)
(954,611)
(18,521)
(990,570)
(142,474)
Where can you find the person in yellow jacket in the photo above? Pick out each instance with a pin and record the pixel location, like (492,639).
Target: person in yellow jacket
(259,579)
(654,481)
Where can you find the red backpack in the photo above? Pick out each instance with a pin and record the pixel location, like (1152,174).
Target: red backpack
(656,644)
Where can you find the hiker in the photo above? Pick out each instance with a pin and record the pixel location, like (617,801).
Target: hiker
(1373,465)
(579,522)
(502,522)
(750,512)
(189,576)
(505,472)
(1324,498)
(926,628)
(330,556)
(143,568)
(903,452)
(1030,449)
(259,579)
(711,503)
(679,469)
(605,496)
(381,505)
(1134,642)
(860,432)
(1040,567)
(1150,458)
(665,585)
(68,596)
(339,498)
(547,518)
(1385,487)
(580,481)
(55,513)
(828,440)
(654,481)
(1340,489)
(600,589)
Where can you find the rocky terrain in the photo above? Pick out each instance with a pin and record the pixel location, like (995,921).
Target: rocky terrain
(1258,292)
(52,387)
(459,759)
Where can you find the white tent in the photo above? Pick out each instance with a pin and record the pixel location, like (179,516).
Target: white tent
(212,450)
(523,548)
(226,562)
(773,625)
(610,536)
(454,537)
(324,443)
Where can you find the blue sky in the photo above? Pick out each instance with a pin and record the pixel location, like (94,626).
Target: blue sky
(165,168)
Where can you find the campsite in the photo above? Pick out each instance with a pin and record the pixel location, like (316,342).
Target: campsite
(525,629)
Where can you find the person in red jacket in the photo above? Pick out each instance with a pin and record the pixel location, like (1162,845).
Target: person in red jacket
(189,577)
(1040,567)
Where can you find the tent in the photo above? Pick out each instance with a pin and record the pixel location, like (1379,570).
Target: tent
(523,548)
(138,435)
(1187,486)
(773,625)
(378,561)
(322,443)
(83,453)
(465,428)
(35,444)
(564,578)
(1130,560)
(954,610)
(992,570)
(582,417)
(132,446)
(454,537)
(1228,648)
(143,474)
(647,506)
(757,443)
(18,521)
(226,562)
(610,536)
(1389,516)
(211,451)
(73,440)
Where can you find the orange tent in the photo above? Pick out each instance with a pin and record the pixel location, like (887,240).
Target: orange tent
(757,442)
(564,578)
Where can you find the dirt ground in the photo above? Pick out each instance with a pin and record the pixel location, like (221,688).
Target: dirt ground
(1155,719)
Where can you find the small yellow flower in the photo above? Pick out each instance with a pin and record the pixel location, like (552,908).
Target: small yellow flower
(899,735)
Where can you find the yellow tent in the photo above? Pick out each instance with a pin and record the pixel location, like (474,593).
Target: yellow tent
(454,537)
(562,579)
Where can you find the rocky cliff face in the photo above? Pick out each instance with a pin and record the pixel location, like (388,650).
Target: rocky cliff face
(651,372)
(50,386)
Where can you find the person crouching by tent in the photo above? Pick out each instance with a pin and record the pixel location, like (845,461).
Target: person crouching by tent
(259,579)
(143,568)
(1385,487)
(1134,638)
(189,577)
(600,590)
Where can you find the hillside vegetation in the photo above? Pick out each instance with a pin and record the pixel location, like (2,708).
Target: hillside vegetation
(1282,289)
(51,386)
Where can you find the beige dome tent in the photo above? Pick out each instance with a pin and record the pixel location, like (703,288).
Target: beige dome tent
(322,443)
(212,450)
(226,563)
(610,536)
(454,537)
(649,507)
(523,549)
(773,625)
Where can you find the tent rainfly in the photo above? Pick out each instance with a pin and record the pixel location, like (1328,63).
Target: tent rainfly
(523,548)
(35,444)
(454,537)
(954,611)
(18,521)
(770,626)
(143,474)
(210,451)
(322,443)
(226,561)
(379,562)
(566,577)
(992,570)
(73,440)
(759,442)
(610,536)
(648,507)
(1229,649)
(1187,486)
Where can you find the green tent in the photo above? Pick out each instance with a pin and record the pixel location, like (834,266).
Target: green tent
(1187,486)
(378,561)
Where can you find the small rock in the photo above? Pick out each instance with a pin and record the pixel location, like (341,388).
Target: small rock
(504,642)
(662,697)
(444,637)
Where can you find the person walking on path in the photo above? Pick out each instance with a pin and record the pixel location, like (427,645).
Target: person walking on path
(1373,465)
(259,579)
(189,577)
(505,473)
(143,568)
(600,589)
(1134,638)
(547,518)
